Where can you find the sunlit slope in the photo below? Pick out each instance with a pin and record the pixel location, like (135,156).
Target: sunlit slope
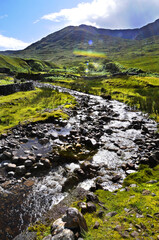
(16,64)
(60,47)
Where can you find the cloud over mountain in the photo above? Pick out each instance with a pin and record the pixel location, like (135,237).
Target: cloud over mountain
(108,13)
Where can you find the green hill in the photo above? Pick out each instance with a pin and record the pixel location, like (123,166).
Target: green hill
(130,47)
(16,64)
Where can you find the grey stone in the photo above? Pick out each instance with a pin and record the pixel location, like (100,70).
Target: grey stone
(28,163)
(74,219)
(66,234)
(91,207)
(20,170)
(111,214)
(92,198)
(11,167)
(96,225)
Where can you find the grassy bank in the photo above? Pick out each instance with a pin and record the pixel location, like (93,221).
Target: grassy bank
(32,106)
(135,209)
(128,213)
(140,91)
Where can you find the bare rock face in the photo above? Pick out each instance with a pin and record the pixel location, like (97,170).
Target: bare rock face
(70,224)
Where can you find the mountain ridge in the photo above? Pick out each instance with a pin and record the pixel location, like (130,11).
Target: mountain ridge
(59,46)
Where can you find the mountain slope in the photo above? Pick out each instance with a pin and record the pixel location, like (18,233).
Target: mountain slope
(125,46)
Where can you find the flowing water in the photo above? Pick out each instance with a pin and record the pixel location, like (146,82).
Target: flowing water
(116,147)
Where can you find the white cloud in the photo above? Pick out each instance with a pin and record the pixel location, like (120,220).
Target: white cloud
(108,13)
(8,43)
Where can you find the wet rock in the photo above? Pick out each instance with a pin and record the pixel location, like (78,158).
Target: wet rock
(92,198)
(46,162)
(7,155)
(28,174)
(116,178)
(38,156)
(74,219)
(70,182)
(91,207)
(28,163)
(130,171)
(20,170)
(91,143)
(80,173)
(44,141)
(15,159)
(154,159)
(40,134)
(24,140)
(21,160)
(11,174)
(10,167)
(83,207)
(105,118)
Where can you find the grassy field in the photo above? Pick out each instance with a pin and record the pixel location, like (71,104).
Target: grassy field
(37,105)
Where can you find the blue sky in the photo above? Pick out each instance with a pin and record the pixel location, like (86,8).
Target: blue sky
(23,22)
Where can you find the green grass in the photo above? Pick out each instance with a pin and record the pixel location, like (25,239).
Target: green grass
(129,206)
(16,64)
(32,106)
(139,91)
(40,229)
(136,210)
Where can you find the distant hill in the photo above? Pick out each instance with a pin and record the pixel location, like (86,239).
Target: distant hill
(125,46)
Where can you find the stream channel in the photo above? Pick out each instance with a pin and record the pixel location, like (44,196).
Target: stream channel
(101,143)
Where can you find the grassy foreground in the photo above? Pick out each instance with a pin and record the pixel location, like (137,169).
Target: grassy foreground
(134,208)
(32,106)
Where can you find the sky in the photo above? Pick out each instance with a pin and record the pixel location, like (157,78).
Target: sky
(23,22)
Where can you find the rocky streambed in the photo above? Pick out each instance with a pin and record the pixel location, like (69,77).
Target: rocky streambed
(102,142)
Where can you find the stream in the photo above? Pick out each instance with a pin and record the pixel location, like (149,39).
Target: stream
(108,140)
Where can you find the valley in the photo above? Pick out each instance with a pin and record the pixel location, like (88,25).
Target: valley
(87,123)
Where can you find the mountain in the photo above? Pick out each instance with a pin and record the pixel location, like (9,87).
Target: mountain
(125,46)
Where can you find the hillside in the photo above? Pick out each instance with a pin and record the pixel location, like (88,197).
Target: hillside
(131,47)
(16,64)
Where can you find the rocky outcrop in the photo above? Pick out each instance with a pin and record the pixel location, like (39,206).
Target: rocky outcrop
(17,87)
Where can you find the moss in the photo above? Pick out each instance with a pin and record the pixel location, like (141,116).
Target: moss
(37,105)
(40,229)
(142,176)
(135,211)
